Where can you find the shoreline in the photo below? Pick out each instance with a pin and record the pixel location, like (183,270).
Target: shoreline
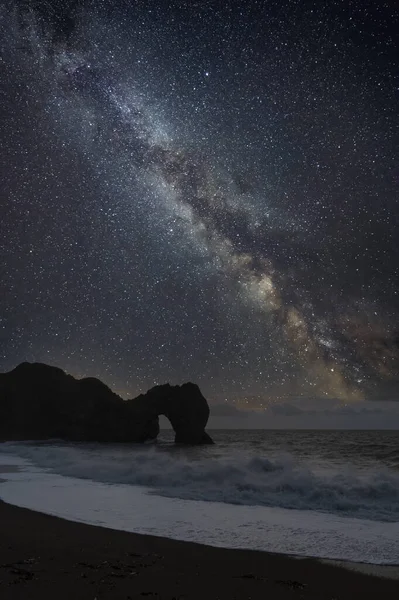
(43,556)
(382,570)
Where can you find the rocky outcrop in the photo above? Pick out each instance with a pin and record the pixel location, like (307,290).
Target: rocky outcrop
(184,406)
(38,401)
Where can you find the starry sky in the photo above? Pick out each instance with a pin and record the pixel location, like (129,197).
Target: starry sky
(202,191)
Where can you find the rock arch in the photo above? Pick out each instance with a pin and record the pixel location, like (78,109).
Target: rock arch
(184,406)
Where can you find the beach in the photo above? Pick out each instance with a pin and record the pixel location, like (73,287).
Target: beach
(42,557)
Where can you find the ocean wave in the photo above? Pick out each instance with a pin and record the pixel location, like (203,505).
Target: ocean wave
(255,481)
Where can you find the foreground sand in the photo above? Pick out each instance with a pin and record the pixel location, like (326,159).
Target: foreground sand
(43,557)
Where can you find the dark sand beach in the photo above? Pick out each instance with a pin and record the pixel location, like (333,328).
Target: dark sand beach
(46,557)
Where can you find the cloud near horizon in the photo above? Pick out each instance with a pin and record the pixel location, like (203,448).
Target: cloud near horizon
(309,414)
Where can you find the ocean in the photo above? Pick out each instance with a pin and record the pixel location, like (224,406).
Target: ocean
(328,494)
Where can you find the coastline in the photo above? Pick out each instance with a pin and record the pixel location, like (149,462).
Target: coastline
(42,557)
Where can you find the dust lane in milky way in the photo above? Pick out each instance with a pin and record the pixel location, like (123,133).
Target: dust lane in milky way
(202,193)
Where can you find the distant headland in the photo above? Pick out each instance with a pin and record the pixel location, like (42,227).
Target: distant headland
(39,401)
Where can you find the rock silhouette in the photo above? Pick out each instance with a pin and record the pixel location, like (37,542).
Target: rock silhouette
(38,401)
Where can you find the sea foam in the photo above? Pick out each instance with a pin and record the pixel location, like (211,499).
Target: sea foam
(282,482)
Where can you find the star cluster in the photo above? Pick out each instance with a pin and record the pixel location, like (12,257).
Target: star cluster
(202,191)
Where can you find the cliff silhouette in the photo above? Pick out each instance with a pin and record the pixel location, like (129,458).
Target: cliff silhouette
(38,401)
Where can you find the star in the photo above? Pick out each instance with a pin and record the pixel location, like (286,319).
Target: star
(240,234)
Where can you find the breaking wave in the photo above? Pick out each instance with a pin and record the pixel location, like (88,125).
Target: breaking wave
(253,481)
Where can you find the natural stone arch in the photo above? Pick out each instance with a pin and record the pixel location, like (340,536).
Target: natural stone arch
(38,401)
(183,405)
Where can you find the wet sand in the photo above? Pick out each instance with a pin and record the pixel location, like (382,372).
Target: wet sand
(43,557)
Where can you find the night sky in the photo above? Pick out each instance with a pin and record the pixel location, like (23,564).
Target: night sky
(202,191)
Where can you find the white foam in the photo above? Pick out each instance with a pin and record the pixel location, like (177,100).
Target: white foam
(238,479)
(132,508)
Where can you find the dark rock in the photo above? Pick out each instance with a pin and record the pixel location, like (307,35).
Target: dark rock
(184,406)
(38,401)
(294,585)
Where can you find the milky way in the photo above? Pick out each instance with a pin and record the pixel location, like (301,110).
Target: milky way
(202,192)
